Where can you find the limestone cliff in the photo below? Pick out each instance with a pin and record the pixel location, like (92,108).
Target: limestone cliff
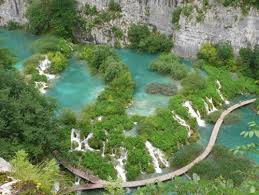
(218,23)
(12,10)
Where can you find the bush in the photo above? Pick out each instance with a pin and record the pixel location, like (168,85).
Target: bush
(6,59)
(169,64)
(176,14)
(58,62)
(55,16)
(186,155)
(208,53)
(114,6)
(143,39)
(193,82)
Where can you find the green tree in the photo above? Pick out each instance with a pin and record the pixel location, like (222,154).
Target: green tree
(6,59)
(27,119)
(208,53)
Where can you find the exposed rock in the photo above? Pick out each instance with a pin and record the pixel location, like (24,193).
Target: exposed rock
(13,10)
(159,88)
(4,166)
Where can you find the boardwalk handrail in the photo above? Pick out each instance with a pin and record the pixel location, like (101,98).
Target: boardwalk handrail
(177,172)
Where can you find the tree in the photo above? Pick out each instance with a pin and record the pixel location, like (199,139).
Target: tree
(27,119)
(56,16)
(6,59)
(208,53)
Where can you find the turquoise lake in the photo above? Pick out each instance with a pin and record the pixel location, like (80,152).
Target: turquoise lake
(76,87)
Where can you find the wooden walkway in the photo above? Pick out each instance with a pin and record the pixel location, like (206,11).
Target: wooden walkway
(178,172)
(82,174)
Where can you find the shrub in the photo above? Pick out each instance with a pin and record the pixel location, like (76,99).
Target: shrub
(224,51)
(208,53)
(143,39)
(55,16)
(185,155)
(176,14)
(193,82)
(58,62)
(43,175)
(114,6)
(169,64)
(6,59)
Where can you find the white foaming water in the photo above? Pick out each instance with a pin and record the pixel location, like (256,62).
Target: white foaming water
(157,156)
(194,114)
(42,86)
(120,164)
(77,183)
(6,189)
(182,122)
(209,105)
(81,145)
(220,94)
(43,67)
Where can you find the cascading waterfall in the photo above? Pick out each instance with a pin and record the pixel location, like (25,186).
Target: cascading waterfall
(120,164)
(194,114)
(209,105)
(77,183)
(157,157)
(80,145)
(182,122)
(220,94)
(42,68)
(7,187)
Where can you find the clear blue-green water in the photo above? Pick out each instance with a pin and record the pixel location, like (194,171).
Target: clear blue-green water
(76,87)
(143,103)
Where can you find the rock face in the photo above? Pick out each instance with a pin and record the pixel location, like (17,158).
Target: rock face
(12,10)
(220,23)
(4,166)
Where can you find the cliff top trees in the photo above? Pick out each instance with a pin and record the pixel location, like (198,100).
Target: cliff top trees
(56,16)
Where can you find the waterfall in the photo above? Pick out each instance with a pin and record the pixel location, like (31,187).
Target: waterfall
(194,114)
(80,145)
(220,94)
(6,188)
(182,122)
(42,86)
(209,105)
(120,164)
(42,68)
(77,183)
(157,156)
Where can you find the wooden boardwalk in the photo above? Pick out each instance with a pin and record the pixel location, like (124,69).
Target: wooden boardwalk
(82,174)
(178,172)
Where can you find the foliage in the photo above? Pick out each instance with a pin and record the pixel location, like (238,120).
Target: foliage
(12,25)
(114,187)
(27,119)
(223,163)
(185,155)
(114,6)
(168,63)
(43,175)
(208,53)
(52,44)
(55,16)
(176,14)
(249,61)
(58,62)
(6,59)
(253,131)
(143,39)
(193,82)
(101,167)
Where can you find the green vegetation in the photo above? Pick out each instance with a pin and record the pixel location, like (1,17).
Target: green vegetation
(144,39)
(243,4)
(221,162)
(169,64)
(40,176)
(176,14)
(193,82)
(58,62)
(6,59)
(27,119)
(55,16)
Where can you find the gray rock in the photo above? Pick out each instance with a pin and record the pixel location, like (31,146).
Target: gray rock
(160,88)
(4,166)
